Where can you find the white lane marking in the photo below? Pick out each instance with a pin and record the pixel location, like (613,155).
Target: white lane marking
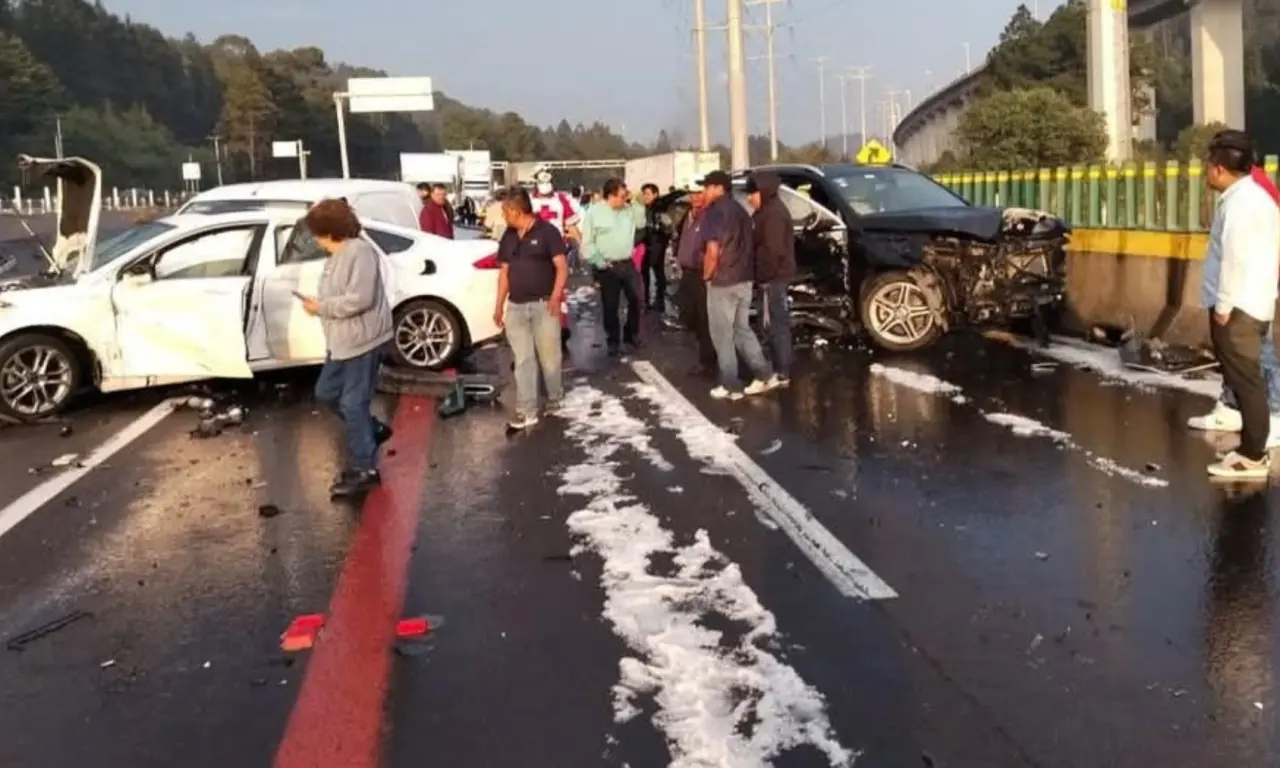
(26,504)
(1021,426)
(712,445)
(722,699)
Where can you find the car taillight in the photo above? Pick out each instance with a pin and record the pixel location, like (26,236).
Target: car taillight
(488,262)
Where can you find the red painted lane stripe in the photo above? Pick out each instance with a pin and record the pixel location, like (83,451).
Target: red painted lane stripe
(337,719)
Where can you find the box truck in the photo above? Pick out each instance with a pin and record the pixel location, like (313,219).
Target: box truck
(477,173)
(674,169)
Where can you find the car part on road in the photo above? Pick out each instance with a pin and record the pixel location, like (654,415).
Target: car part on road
(20,642)
(428,335)
(38,375)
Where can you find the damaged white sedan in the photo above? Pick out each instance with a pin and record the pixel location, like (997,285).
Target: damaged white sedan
(192,297)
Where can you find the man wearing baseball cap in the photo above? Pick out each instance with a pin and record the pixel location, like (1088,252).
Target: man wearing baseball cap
(728,268)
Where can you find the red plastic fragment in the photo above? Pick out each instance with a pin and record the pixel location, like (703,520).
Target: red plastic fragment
(415,627)
(302,632)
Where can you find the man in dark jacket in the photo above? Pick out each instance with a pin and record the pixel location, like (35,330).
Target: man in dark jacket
(654,270)
(775,264)
(691,293)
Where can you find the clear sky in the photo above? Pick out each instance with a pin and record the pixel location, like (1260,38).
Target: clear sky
(630,64)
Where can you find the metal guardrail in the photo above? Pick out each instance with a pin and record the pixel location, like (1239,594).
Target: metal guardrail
(1167,197)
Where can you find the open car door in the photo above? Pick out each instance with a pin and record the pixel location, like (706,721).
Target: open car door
(79,208)
(180,310)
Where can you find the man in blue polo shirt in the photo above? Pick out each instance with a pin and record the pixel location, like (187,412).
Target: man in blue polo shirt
(729,269)
(530,291)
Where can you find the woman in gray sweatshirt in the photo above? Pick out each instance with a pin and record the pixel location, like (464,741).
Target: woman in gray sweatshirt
(356,315)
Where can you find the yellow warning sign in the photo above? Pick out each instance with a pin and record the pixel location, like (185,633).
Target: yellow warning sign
(874,153)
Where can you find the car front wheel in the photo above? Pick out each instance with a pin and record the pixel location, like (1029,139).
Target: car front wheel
(38,376)
(428,336)
(897,314)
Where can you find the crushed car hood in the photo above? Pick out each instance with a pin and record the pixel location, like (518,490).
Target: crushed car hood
(981,222)
(79,208)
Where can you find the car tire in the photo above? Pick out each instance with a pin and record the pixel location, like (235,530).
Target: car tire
(427,335)
(890,311)
(61,380)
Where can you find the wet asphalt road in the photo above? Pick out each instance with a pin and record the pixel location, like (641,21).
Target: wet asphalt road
(1083,599)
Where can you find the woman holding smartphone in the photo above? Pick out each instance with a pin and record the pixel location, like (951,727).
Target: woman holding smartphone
(356,316)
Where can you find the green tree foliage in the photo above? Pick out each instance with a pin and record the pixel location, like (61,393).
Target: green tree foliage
(1029,128)
(140,104)
(1055,54)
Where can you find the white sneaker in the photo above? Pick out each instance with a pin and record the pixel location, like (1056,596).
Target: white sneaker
(1221,419)
(759,387)
(723,393)
(1236,467)
(1273,437)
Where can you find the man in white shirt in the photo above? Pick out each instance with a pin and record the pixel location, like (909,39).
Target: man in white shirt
(1241,297)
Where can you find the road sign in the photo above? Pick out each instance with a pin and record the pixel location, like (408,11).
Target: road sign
(390,94)
(190,171)
(874,153)
(284,149)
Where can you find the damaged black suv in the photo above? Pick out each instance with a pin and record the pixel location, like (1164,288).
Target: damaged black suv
(886,249)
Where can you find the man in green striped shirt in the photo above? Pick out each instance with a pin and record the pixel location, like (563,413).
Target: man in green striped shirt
(608,240)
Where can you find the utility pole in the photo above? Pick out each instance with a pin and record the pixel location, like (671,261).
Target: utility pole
(57,137)
(700,35)
(773,84)
(217,155)
(891,122)
(738,137)
(821,61)
(844,114)
(861,74)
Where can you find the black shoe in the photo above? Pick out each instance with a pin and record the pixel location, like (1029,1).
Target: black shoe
(615,350)
(382,432)
(355,482)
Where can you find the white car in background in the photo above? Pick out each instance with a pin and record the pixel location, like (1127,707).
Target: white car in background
(197,296)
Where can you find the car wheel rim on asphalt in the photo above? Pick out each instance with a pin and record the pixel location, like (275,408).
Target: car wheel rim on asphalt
(901,313)
(424,337)
(35,380)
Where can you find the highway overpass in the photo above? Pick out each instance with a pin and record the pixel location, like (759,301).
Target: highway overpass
(928,130)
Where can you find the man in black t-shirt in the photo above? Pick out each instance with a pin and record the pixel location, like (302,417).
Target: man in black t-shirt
(530,291)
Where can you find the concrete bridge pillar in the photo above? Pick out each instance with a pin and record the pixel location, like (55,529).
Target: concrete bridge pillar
(1217,62)
(1109,94)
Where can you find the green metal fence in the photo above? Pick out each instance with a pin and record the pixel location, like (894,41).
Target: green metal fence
(1167,196)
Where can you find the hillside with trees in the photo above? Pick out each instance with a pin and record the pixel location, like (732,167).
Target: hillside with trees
(141,103)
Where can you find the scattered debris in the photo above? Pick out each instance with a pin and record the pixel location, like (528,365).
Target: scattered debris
(65,460)
(302,632)
(1042,556)
(107,664)
(208,664)
(1151,467)
(20,642)
(1258,706)
(268,510)
(1043,367)
(772,448)
(1035,643)
(66,431)
(416,626)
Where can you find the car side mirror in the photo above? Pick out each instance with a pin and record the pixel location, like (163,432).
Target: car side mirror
(428,267)
(141,272)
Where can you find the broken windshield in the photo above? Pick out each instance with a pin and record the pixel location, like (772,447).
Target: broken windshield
(126,241)
(891,190)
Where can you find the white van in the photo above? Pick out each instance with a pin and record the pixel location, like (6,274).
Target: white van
(392,202)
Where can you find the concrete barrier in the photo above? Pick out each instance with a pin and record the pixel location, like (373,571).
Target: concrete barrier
(1150,280)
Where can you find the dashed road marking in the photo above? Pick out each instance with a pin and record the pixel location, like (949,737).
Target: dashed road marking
(26,504)
(842,568)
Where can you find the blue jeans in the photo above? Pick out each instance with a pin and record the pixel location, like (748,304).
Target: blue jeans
(346,387)
(534,336)
(728,315)
(774,297)
(1270,374)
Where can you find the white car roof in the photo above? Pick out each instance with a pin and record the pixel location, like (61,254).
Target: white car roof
(299,190)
